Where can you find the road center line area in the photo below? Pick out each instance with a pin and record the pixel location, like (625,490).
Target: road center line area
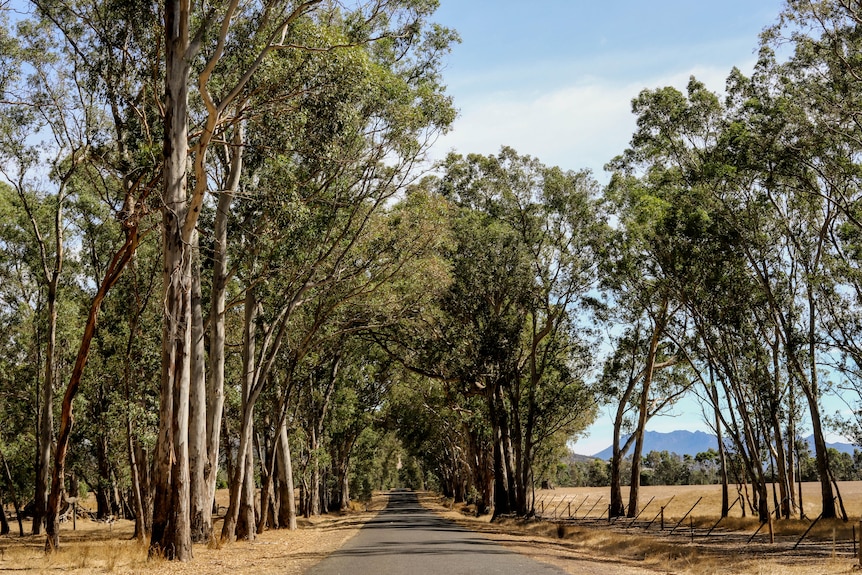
(407,538)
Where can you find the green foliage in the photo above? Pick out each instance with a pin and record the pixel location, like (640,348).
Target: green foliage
(419,321)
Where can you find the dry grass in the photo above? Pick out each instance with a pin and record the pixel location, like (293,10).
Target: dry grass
(704,502)
(98,548)
(678,499)
(827,549)
(586,548)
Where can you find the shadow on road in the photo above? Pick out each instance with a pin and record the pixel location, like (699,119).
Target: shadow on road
(407,538)
(405,527)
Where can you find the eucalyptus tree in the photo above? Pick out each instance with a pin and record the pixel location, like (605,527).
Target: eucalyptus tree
(433,430)
(90,123)
(38,110)
(20,354)
(55,117)
(822,78)
(742,169)
(212,38)
(356,406)
(663,216)
(784,215)
(340,264)
(624,379)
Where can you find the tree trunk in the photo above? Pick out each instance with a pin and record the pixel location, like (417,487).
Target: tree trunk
(142,524)
(345,486)
(314,488)
(136,487)
(15,501)
(287,509)
(617,507)
(215,389)
(829,510)
(634,489)
(115,268)
(171,534)
(511,470)
(4,523)
(240,503)
(266,457)
(509,458)
(46,421)
(246,522)
(722,456)
(103,505)
(145,467)
(200,505)
(812,392)
(502,499)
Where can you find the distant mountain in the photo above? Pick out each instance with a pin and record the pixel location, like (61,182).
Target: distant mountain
(691,443)
(680,442)
(575,458)
(842,447)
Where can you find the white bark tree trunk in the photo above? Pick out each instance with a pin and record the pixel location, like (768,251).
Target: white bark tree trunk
(215,383)
(287,509)
(201,506)
(171,535)
(46,421)
(240,503)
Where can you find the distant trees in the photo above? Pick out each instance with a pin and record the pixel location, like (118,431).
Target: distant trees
(668,468)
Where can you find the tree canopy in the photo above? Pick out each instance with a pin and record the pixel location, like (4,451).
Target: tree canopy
(226,263)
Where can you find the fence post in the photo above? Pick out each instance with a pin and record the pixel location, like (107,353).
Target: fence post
(661,512)
(563,500)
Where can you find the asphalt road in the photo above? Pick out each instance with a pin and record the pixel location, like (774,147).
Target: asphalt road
(406,538)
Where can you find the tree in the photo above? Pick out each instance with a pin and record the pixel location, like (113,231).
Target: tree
(276,31)
(657,252)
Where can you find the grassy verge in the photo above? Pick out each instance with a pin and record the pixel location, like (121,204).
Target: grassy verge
(619,551)
(99,548)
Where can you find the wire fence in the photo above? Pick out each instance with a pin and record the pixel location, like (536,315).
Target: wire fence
(670,517)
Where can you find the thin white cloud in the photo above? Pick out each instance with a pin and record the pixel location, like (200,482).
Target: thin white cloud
(576,126)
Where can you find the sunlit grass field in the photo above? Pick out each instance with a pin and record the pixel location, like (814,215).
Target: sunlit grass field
(738,545)
(97,547)
(702,504)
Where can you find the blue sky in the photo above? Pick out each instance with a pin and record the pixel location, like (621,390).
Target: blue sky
(555,78)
